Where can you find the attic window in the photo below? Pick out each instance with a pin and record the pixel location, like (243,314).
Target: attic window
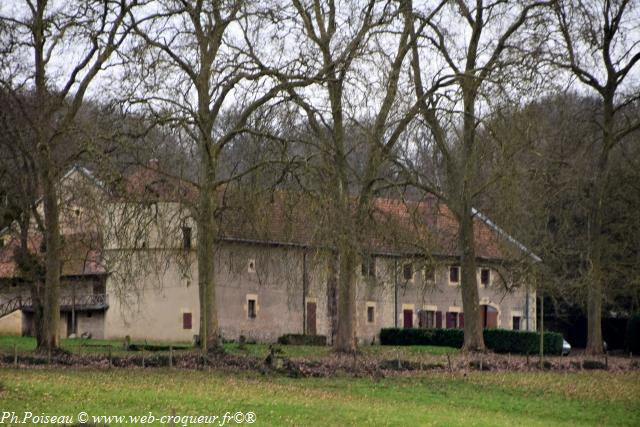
(485,277)
(430,274)
(407,271)
(77,212)
(369,266)
(186,237)
(454,274)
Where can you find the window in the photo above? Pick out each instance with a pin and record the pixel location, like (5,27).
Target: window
(186,320)
(186,237)
(427,319)
(251,308)
(371,311)
(407,271)
(369,267)
(251,266)
(516,323)
(89,314)
(430,274)
(485,277)
(454,274)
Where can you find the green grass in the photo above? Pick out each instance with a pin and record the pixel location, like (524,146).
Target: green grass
(480,398)
(80,345)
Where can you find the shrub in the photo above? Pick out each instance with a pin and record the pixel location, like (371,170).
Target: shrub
(498,340)
(299,339)
(633,334)
(593,364)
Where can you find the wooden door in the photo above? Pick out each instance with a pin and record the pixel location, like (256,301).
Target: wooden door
(311,318)
(408,318)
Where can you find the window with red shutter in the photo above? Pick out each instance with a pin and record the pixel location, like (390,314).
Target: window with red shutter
(438,319)
(186,320)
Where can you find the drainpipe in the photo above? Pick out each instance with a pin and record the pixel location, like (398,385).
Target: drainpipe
(395,293)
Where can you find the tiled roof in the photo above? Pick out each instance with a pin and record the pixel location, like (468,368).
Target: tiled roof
(395,226)
(80,255)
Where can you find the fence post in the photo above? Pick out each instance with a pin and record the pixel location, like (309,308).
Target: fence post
(110,362)
(15,355)
(143,356)
(171,356)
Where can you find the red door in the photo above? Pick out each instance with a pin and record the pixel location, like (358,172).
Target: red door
(408,318)
(311,318)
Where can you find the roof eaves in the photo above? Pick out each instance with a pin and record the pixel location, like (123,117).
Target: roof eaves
(505,235)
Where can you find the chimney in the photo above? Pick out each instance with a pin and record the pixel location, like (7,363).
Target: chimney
(153,164)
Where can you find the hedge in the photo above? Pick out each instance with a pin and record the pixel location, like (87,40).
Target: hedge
(299,339)
(498,340)
(633,334)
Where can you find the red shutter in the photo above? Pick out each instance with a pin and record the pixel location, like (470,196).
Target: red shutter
(438,319)
(461,320)
(408,319)
(450,320)
(186,320)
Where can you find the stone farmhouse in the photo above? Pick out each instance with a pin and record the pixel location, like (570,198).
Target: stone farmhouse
(129,267)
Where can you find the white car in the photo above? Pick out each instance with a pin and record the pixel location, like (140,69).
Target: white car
(566,347)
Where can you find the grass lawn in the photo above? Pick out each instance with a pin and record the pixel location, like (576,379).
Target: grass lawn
(79,345)
(480,398)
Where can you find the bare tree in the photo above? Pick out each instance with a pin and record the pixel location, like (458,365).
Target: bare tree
(355,121)
(196,67)
(465,62)
(56,49)
(601,48)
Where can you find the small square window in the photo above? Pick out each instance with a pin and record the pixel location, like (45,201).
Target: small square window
(430,274)
(187,320)
(407,271)
(251,266)
(371,312)
(454,274)
(251,309)
(369,267)
(485,277)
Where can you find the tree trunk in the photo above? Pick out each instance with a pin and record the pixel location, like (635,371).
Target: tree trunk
(596,238)
(38,310)
(205,253)
(51,312)
(473,338)
(332,296)
(594,278)
(346,334)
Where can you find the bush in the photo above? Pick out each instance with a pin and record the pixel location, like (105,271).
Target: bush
(633,334)
(299,339)
(498,340)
